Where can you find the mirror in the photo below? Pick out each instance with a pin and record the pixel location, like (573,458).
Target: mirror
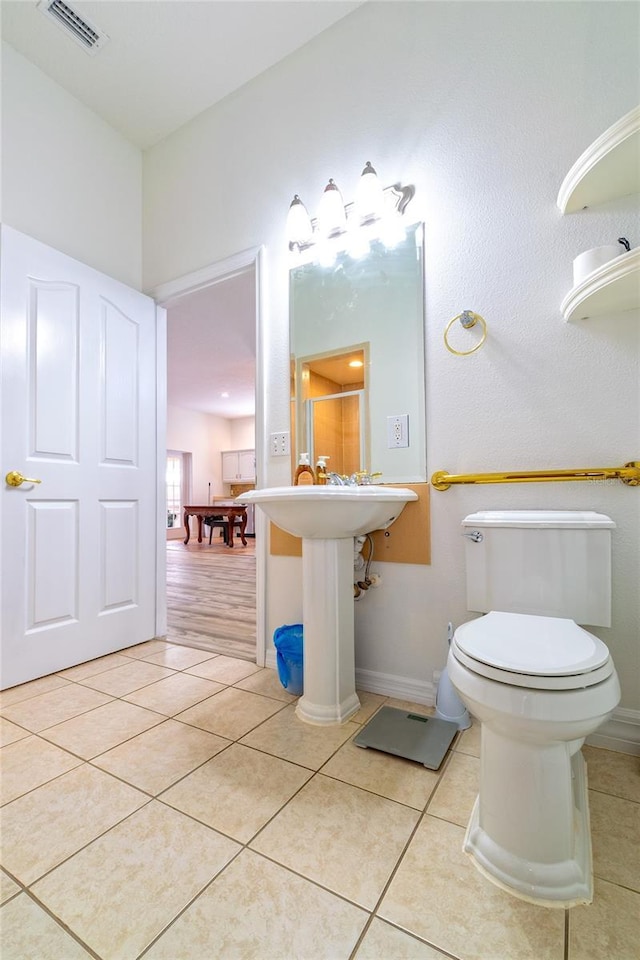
(367,311)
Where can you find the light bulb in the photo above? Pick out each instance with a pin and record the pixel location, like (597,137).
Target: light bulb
(331,216)
(369,198)
(299,227)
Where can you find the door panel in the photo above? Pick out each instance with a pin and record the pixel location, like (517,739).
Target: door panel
(78,364)
(52,564)
(54,379)
(121,353)
(120,547)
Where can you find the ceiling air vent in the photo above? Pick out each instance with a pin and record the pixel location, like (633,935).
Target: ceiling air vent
(90,37)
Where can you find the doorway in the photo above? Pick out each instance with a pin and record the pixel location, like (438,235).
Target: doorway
(213,390)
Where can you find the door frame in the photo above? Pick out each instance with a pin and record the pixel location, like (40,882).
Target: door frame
(167,294)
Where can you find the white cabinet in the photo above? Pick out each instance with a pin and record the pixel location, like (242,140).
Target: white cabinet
(609,168)
(238,466)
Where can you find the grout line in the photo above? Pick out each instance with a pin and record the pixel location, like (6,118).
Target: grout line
(29,888)
(617,796)
(74,936)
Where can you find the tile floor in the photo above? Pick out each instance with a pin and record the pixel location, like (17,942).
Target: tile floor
(164,802)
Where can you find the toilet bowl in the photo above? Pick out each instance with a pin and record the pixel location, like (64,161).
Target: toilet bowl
(529,831)
(539,684)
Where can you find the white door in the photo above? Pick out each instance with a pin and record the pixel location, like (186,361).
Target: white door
(78,555)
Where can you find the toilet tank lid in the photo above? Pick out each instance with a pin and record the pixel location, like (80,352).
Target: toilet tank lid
(538,518)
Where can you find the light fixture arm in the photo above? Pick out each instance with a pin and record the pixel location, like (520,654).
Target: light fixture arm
(405,195)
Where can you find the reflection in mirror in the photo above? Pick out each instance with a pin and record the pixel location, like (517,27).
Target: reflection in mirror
(366,310)
(333,398)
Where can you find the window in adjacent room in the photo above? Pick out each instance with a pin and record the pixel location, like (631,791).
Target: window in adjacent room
(175,486)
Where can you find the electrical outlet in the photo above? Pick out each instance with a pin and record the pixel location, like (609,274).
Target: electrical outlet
(398,431)
(279,444)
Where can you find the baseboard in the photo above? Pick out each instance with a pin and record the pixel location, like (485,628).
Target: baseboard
(621,732)
(402,688)
(386,684)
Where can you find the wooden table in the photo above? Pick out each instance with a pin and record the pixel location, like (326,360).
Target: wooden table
(228,510)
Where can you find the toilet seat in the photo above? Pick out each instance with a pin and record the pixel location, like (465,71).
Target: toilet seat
(548,653)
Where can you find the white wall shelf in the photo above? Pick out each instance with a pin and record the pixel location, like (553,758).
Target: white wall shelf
(609,168)
(612,288)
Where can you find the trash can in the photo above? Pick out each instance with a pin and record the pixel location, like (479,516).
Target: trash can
(288,641)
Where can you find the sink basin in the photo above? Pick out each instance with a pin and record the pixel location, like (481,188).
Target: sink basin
(331,512)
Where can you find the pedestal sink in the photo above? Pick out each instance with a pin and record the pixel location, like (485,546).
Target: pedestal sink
(328,518)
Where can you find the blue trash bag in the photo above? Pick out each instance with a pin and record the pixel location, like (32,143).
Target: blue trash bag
(288,641)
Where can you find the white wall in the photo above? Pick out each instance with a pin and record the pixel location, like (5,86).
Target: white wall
(204,436)
(68,179)
(484,107)
(243,433)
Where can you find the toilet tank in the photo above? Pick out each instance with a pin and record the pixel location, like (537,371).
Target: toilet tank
(554,563)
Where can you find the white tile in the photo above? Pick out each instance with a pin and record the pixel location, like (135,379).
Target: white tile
(257,910)
(344,838)
(121,891)
(238,791)
(44,827)
(29,933)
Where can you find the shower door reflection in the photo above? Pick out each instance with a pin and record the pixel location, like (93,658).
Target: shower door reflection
(333,409)
(334,430)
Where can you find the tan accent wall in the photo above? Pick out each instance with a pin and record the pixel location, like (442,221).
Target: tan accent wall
(408,539)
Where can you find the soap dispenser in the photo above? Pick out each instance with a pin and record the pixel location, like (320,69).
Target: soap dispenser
(304,474)
(321,470)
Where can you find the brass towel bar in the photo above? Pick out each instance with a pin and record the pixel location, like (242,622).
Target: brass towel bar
(629,474)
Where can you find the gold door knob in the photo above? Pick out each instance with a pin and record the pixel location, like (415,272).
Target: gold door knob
(14,479)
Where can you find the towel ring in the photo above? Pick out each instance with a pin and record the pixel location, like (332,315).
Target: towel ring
(468,319)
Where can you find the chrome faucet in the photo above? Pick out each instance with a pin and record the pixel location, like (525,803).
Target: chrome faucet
(359,479)
(364,478)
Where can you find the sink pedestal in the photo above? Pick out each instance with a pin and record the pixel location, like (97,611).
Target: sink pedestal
(329,656)
(327,518)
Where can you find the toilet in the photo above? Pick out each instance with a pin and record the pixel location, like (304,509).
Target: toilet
(539,684)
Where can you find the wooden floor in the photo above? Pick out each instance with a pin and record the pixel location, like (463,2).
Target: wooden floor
(211,596)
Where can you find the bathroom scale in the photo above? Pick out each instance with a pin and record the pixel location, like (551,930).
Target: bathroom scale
(409,735)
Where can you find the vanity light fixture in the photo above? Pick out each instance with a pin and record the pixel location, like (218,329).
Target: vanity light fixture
(376,212)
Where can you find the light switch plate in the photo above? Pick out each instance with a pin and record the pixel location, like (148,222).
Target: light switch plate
(279,444)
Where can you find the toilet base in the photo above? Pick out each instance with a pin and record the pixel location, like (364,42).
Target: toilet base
(564,883)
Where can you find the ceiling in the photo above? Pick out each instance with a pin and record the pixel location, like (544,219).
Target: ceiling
(164,63)
(166,60)
(211,349)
